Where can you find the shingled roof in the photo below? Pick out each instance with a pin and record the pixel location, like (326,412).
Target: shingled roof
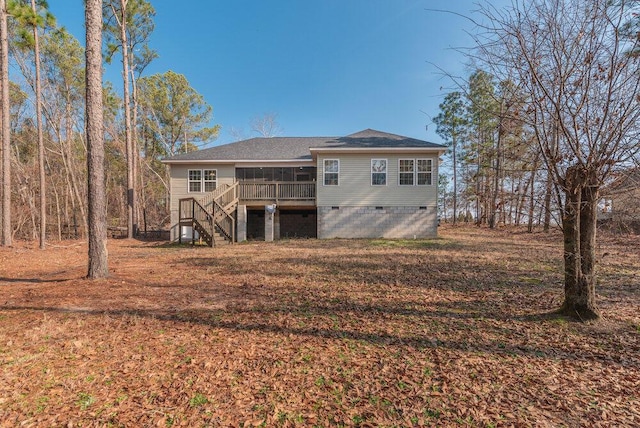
(299,148)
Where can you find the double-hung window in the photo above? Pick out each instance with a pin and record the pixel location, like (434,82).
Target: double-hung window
(202,180)
(406,172)
(210,179)
(415,172)
(378,172)
(424,172)
(331,171)
(195,180)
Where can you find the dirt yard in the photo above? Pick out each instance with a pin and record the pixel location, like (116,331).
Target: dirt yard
(455,331)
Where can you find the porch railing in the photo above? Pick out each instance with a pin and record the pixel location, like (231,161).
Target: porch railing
(277,191)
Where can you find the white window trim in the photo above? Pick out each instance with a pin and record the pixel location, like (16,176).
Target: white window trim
(325,172)
(189,180)
(415,172)
(424,172)
(202,180)
(386,172)
(205,181)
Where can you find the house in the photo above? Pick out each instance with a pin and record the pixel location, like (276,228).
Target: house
(621,200)
(369,184)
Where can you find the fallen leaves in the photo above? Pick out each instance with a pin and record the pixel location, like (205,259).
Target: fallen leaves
(355,333)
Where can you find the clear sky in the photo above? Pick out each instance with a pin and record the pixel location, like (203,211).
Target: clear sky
(325,67)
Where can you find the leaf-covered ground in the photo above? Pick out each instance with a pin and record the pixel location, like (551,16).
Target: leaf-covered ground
(445,332)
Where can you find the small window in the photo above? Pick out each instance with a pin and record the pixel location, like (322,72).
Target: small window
(331,171)
(195,181)
(202,180)
(378,172)
(210,181)
(406,172)
(424,172)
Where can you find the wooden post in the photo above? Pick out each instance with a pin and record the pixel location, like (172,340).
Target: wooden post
(179,222)
(193,230)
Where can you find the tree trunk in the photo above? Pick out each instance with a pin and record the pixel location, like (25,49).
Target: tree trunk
(127,122)
(98,264)
(41,172)
(579,229)
(455,180)
(547,203)
(138,186)
(496,178)
(532,200)
(7,238)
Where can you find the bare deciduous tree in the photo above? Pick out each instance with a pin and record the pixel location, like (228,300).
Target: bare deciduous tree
(266,125)
(584,90)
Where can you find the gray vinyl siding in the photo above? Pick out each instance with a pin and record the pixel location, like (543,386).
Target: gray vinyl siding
(354,182)
(179,176)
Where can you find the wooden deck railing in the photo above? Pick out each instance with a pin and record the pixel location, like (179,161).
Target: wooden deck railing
(277,191)
(201,221)
(215,212)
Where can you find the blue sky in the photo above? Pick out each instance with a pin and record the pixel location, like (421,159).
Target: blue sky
(326,68)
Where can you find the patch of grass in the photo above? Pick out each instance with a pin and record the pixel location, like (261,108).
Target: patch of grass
(411,243)
(169,421)
(85,400)
(560,320)
(198,400)
(41,403)
(533,281)
(357,419)
(431,413)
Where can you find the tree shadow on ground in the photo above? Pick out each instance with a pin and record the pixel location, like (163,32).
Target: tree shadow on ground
(479,343)
(33,280)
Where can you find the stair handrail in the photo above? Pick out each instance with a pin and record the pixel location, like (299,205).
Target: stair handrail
(203,220)
(223,206)
(225,221)
(207,200)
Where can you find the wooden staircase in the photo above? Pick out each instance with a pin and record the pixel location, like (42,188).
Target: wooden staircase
(212,216)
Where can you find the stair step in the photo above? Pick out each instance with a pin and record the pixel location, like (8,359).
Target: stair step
(220,240)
